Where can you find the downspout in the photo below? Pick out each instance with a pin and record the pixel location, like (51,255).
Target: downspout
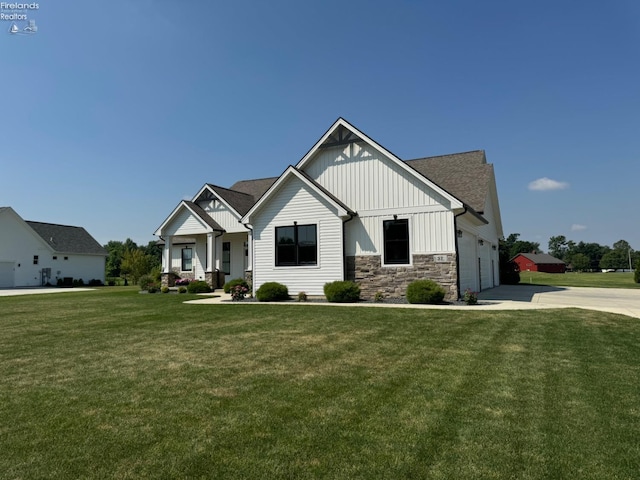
(344,244)
(455,236)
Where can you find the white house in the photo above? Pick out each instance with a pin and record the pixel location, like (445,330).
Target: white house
(349,209)
(36,253)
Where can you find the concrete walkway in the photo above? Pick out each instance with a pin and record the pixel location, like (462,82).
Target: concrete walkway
(510,297)
(504,297)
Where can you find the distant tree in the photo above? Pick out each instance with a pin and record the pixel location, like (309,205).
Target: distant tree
(636,275)
(593,251)
(509,271)
(154,251)
(513,246)
(580,262)
(614,259)
(116,251)
(135,264)
(559,246)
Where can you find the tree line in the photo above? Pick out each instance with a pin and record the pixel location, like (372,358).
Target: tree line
(130,261)
(580,256)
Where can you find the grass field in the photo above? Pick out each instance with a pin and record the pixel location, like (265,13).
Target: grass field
(579,279)
(114,384)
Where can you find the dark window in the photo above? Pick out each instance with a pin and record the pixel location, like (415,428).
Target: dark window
(296,245)
(226,258)
(35,259)
(187,263)
(396,242)
(55,258)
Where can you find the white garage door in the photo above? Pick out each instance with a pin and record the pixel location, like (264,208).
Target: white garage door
(468,263)
(6,274)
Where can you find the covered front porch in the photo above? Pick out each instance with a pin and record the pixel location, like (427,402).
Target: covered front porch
(214,257)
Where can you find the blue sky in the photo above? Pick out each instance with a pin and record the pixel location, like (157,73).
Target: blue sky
(115,111)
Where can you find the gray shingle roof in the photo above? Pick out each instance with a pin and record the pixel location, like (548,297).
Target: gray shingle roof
(198,210)
(465,175)
(255,188)
(240,201)
(67,239)
(541,258)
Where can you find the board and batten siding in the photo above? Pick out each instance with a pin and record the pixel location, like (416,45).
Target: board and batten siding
(296,202)
(378,188)
(365,179)
(430,232)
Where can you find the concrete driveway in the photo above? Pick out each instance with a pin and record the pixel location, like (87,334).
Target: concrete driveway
(614,300)
(9,292)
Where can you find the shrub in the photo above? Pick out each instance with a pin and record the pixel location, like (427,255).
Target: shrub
(164,289)
(95,282)
(198,286)
(153,288)
(232,283)
(342,291)
(238,292)
(470,297)
(302,296)
(272,292)
(425,291)
(182,289)
(145,282)
(378,297)
(636,275)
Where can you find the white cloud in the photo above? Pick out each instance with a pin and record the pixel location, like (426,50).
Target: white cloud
(545,183)
(577,227)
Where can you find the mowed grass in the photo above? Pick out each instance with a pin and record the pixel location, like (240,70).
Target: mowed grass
(114,384)
(580,279)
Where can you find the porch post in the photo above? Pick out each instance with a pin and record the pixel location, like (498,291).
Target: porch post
(167,254)
(166,279)
(209,274)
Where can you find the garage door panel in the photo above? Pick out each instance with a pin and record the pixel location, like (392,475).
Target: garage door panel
(6,274)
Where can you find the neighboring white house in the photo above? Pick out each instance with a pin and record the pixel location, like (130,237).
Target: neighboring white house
(36,253)
(349,209)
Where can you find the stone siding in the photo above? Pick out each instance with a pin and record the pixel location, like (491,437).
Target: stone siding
(368,272)
(248,277)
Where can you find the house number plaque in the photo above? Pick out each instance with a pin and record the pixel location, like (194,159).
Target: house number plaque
(440,258)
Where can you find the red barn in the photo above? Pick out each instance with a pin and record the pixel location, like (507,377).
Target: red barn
(539,262)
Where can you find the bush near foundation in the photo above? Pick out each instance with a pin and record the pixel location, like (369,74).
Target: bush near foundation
(227,287)
(198,286)
(425,292)
(342,291)
(272,292)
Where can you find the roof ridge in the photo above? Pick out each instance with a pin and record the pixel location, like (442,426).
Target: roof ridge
(53,224)
(213,185)
(447,155)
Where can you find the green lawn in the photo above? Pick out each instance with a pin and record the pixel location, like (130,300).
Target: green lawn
(579,279)
(114,384)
